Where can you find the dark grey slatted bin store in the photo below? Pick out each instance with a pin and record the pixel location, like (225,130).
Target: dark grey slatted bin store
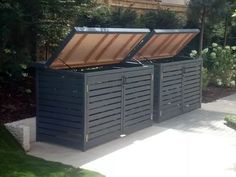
(177,83)
(88,95)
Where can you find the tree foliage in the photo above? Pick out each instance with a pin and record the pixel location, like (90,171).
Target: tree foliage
(162,19)
(202,11)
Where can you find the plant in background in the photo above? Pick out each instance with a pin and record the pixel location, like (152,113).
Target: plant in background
(205,78)
(220,63)
(231,120)
(123,17)
(162,19)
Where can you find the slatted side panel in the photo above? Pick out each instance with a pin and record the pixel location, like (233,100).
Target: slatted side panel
(60,108)
(192,86)
(170,91)
(104,99)
(138,105)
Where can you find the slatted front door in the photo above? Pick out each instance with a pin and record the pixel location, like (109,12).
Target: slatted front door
(118,104)
(177,88)
(104,108)
(138,100)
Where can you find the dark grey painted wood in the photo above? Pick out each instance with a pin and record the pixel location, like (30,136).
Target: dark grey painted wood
(82,110)
(177,88)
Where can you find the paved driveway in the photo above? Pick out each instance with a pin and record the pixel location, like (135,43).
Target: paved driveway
(196,144)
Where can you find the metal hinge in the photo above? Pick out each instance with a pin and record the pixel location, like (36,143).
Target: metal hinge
(87,88)
(152,116)
(86,137)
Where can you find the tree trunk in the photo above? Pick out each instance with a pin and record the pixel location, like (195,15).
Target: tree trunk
(225,30)
(203,17)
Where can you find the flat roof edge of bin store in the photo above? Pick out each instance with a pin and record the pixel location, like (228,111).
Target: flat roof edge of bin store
(85,47)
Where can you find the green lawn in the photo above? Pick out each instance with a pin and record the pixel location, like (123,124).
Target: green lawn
(231,120)
(15,163)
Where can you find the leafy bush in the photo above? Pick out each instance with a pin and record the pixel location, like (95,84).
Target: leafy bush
(231,120)
(124,17)
(220,63)
(161,19)
(205,78)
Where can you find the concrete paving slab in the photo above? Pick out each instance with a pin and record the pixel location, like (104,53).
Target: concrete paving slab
(191,145)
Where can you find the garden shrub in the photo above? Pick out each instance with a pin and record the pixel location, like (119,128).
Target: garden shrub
(161,19)
(231,120)
(205,78)
(220,63)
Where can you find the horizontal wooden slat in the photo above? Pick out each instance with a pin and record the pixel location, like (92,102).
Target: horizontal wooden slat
(60,122)
(194,97)
(103,78)
(59,110)
(105,108)
(60,104)
(57,133)
(192,73)
(104,114)
(104,91)
(186,87)
(193,68)
(58,78)
(191,107)
(138,119)
(138,89)
(102,139)
(137,109)
(192,82)
(172,68)
(104,103)
(132,106)
(191,101)
(104,126)
(104,97)
(55,127)
(75,142)
(97,86)
(186,91)
(60,116)
(139,73)
(137,79)
(169,87)
(189,94)
(104,119)
(137,84)
(137,94)
(60,84)
(190,78)
(171,106)
(138,126)
(168,74)
(137,99)
(171,100)
(170,78)
(138,114)
(174,91)
(72,93)
(59,98)
(104,131)
(169,83)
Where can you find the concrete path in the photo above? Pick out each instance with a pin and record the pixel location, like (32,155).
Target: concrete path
(196,144)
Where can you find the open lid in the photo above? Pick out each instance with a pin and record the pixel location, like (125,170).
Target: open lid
(165,43)
(86,47)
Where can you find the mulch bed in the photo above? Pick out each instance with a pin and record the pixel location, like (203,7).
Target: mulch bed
(213,93)
(16,103)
